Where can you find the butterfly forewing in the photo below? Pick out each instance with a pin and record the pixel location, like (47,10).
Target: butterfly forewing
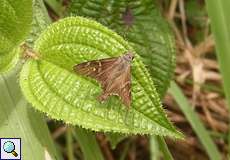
(113,74)
(95,68)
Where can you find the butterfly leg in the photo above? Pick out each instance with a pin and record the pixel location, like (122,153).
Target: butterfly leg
(103,97)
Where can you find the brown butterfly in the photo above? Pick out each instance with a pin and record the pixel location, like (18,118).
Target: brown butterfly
(114,75)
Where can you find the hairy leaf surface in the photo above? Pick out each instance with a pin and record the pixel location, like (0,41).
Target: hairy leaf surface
(140,22)
(52,87)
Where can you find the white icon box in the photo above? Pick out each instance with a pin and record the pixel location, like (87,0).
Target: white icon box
(10,148)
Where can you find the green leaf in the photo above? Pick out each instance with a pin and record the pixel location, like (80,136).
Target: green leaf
(15,21)
(40,21)
(18,119)
(52,87)
(8,61)
(148,33)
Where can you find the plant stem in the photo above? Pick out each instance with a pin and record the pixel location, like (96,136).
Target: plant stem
(155,149)
(164,148)
(69,140)
(88,143)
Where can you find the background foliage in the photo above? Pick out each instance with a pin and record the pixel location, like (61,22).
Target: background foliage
(140,23)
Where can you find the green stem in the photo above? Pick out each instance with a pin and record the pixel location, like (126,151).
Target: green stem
(154,148)
(125,151)
(69,140)
(164,148)
(88,143)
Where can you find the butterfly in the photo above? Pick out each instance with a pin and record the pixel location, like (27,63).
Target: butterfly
(114,75)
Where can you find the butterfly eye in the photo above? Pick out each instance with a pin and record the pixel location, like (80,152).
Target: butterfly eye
(130,57)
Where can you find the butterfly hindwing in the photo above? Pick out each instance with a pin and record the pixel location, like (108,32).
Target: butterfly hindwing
(119,85)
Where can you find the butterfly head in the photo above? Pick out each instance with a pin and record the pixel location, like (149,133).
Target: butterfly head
(128,56)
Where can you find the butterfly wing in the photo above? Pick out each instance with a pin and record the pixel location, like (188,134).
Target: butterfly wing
(113,74)
(125,91)
(119,84)
(97,69)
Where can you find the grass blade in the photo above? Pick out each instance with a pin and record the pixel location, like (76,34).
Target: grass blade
(69,140)
(159,149)
(88,144)
(195,122)
(219,15)
(154,148)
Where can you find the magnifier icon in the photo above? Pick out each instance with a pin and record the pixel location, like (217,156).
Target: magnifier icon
(9,147)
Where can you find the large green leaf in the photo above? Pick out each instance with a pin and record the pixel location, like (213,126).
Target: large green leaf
(15,21)
(52,87)
(143,26)
(149,33)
